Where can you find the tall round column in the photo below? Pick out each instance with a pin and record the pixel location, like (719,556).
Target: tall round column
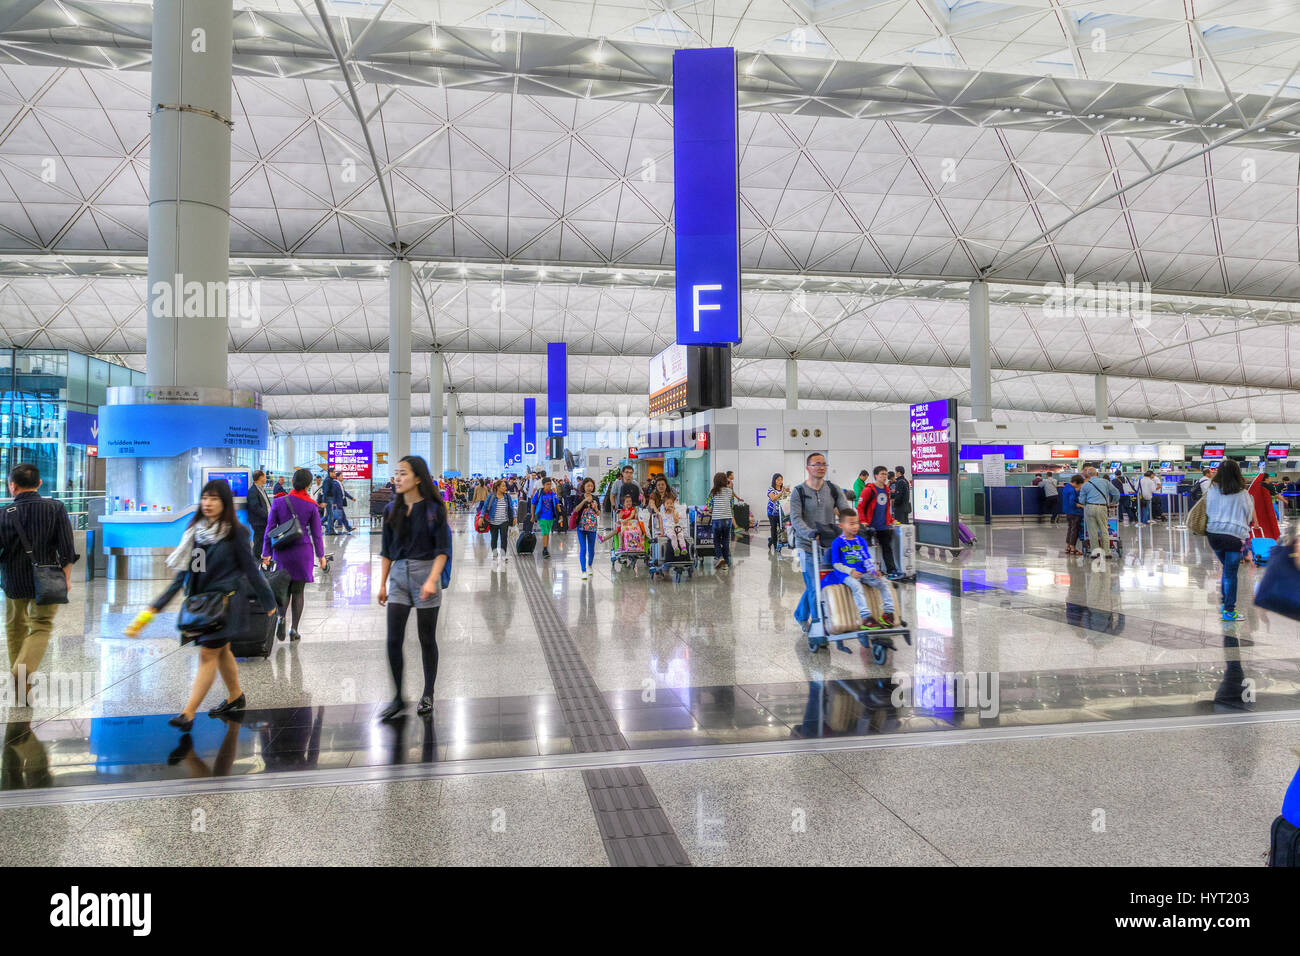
(189,193)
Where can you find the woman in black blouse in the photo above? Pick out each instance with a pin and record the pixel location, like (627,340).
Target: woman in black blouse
(416,547)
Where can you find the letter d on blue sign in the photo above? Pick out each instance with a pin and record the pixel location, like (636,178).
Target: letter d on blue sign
(706,194)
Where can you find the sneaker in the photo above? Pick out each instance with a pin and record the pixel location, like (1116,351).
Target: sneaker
(546,552)
(888,619)
(1232,616)
(870,623)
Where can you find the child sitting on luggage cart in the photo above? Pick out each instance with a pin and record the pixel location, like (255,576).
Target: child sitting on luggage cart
(630,531)
(851,565)
(674,523)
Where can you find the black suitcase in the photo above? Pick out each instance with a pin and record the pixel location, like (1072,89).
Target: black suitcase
(261,632)
(1284,843)
(740,514)
(526,544)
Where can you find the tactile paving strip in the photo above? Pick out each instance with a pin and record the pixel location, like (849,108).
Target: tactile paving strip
(633,826)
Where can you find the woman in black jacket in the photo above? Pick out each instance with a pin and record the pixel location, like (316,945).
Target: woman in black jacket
(215,556)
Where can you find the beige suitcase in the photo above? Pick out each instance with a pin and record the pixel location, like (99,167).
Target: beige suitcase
(841,610)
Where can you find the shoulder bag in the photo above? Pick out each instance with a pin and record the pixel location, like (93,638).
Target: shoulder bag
(286,533)
(1198,518)
(51,584)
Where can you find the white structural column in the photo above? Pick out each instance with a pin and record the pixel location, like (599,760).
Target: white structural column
(189,195)
(399,361)
(791,384)
(290,453)
(981,376)
(1101,397)
(435,416)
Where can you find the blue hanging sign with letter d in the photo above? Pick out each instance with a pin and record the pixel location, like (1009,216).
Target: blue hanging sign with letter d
(706,196)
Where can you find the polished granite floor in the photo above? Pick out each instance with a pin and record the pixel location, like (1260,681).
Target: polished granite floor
(712,660)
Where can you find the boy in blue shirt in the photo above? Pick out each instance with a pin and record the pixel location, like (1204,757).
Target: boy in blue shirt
(546,509)
(851,565)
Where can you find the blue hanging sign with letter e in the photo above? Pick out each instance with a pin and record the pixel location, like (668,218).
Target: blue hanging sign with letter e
(706,196)
(557,389)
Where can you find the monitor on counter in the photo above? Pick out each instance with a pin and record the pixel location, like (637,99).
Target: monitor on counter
(1214,451)
(238,478)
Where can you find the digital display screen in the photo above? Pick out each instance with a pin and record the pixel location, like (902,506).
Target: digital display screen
(932,501)
(238,481)
(350,459)
(1215,450)
(931,432)
(1278,452)
(669,376)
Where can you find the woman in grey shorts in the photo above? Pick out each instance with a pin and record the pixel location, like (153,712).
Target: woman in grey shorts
(416,546)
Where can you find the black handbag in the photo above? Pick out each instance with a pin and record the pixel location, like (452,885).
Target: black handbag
(51,583)
(205,613)
(286,534)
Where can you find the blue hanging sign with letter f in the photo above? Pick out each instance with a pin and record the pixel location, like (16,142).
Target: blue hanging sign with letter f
(706,197)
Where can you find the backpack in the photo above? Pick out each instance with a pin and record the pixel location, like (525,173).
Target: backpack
(826,534)
(444,581)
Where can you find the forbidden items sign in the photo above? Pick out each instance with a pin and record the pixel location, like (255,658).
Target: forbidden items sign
(350,459)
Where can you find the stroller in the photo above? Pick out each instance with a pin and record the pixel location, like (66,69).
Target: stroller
(664,560)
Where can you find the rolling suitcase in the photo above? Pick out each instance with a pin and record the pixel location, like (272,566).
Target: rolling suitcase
(841,610)
(526,543)
(964,534)
(1261,548)
(740,517)
(259,631)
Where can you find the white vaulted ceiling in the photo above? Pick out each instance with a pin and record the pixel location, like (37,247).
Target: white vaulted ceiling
(909,140)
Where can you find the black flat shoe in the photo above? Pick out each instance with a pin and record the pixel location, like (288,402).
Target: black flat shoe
(426,706)
(181,722)
(393,710)
(279,631)
(182,751)
(229,706)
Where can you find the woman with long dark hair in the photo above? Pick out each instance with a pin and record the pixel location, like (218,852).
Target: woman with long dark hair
(776,493)
(215,555)
(416,547)
(1229,512)
(720,501)
(296,558)
(586,518)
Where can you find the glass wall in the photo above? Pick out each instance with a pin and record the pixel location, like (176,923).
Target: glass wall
(37,389)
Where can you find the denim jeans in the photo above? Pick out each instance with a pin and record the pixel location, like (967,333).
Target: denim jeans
(807,609)
(586,548)
(722,539)
(339,515)
(1145,514)
(1228,550)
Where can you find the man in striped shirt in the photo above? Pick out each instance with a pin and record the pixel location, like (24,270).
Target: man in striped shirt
(45,522)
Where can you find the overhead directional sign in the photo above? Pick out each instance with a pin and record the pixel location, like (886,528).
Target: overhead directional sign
(83,428)
(706,197)
(557,389)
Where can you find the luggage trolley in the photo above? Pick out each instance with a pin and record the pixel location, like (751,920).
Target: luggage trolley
(658,562)
(1112,525)
(879,640)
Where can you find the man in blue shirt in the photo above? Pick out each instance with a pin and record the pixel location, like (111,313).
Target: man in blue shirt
(546,509)
(1097,495)
(851,565)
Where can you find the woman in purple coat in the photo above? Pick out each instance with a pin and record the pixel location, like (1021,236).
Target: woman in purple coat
(296,559)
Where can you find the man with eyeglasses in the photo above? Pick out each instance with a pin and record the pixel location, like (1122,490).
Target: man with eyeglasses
(814,506)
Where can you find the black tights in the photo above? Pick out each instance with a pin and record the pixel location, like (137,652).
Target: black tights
(296,600)
(426,624)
